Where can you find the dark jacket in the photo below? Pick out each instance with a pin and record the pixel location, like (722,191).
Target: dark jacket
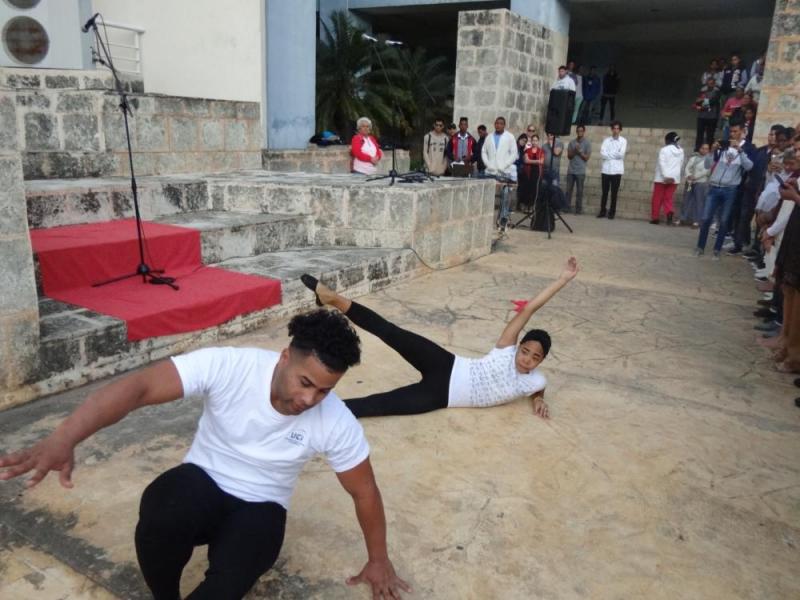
(610,84)
(733,78)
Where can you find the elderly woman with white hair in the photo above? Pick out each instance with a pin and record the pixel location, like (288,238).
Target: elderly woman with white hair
(365,149)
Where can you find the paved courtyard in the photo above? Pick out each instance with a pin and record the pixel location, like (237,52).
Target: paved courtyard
(670,467)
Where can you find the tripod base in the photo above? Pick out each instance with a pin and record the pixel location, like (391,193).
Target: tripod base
(410,177)
(147,274)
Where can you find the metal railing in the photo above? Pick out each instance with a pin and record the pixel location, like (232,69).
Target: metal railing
(124,45)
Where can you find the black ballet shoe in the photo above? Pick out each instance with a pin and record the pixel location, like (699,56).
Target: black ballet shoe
(311,283)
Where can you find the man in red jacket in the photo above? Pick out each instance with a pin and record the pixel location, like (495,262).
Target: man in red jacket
(461,148)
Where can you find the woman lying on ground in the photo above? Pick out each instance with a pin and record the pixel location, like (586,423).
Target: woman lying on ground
(506,373)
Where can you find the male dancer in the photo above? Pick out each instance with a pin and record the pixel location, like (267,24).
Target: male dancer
(265,415)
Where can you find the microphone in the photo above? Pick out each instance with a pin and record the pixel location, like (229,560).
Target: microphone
(90,23)
(369,38)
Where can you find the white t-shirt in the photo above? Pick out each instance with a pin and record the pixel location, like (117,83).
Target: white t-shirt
(248,448)
(491,380)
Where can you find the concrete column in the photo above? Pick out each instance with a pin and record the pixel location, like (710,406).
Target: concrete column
(19,310)
(780,89)
(289,94)
(505,64)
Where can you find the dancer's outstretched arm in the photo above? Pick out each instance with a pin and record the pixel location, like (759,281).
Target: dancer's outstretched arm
(511,332)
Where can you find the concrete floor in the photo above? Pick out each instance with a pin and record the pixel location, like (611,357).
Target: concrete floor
(670,467)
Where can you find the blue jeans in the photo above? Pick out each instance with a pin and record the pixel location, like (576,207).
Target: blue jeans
(505,204)
(717,196)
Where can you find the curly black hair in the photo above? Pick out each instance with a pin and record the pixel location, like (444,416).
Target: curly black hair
(329,336)
(538,335)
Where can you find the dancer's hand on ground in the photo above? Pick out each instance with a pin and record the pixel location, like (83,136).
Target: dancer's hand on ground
(386,585)
(51,454)
(570,270)
(540,408)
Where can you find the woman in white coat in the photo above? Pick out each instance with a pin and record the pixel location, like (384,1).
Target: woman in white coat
(668,175)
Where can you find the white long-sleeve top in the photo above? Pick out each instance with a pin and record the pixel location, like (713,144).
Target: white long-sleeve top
(500,160)
(696,169)
(782,219)
(612,151)
(669,164)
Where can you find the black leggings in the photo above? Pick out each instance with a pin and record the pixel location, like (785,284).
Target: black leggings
(184,508)
(431,360)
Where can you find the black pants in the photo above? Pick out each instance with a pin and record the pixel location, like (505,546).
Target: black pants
(610,182)
(744,233)
(184,508)
(611,100)
(705,132)
(431,360)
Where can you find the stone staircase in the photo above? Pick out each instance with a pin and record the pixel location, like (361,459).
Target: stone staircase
(78,345)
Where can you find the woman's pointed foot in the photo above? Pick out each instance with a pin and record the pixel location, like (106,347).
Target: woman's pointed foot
(311,283)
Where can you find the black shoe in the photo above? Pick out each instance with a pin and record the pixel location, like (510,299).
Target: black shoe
(763,313)
(751,254)
(797,402)
(669,218)
(734,251)
(760,265)
(797,382)
(610,215)
(766,303)
(654,222)
(601,214)
(311,283)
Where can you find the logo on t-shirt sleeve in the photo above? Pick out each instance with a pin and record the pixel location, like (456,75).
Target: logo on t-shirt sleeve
(298,437)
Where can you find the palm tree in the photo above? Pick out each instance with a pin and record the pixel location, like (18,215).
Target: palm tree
(345,82)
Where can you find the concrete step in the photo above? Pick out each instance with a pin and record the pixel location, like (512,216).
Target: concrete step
(79,345)
(227,235)
(55,202)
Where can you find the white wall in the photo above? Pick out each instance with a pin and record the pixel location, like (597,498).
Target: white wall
(196,48)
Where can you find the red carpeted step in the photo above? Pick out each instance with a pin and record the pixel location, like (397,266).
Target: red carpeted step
(72,258)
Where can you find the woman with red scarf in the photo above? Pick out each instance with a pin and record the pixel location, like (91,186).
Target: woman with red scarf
(365,149)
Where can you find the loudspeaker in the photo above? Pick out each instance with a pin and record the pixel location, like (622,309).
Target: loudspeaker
(559,112)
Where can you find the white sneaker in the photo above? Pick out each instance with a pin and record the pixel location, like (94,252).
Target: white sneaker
(768,295)
(762,273)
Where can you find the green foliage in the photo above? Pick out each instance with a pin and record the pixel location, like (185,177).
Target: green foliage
(351,84)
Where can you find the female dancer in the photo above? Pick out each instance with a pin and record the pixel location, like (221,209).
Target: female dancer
(507,372)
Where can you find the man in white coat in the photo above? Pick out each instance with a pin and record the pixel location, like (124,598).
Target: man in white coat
(667,178)
(500,154)
(612,152)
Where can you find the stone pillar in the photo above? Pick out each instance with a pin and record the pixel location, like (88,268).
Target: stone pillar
(780,89)
(289,97)
(19,310)
(504,66)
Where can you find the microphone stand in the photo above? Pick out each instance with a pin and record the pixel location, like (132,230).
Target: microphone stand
(412,176)
(547,207)
(148,274)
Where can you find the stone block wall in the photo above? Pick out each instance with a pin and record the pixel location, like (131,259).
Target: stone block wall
(780,95)
(446,223)
(330,159)
(70,126)
(505,65)
(19,313)
(633,201)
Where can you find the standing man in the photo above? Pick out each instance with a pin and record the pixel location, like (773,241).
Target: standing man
(265,415)
(707,107)
(610,90)
(564,81)
(462,147)
(500,154)
(434,145)
(479,149)
(728,162)
(612,153)
(733,75)
(591,92)
(578,152)
(553,149)
(667,178)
